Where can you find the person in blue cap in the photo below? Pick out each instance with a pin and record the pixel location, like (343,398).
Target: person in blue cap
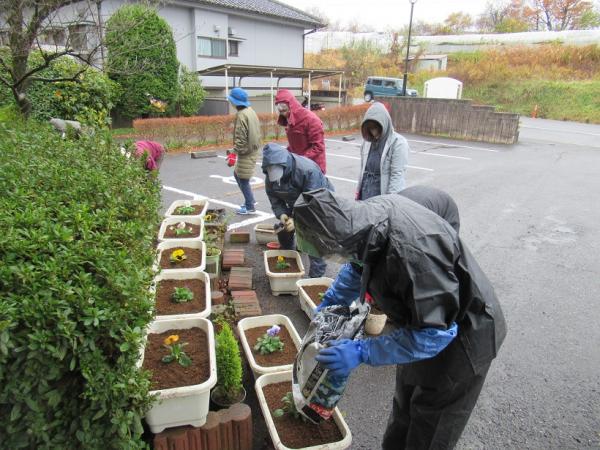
(246,143)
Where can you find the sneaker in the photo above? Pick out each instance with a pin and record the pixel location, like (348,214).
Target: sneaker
(243,206)
(244,211)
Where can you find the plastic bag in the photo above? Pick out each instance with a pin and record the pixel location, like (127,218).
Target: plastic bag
(316,393)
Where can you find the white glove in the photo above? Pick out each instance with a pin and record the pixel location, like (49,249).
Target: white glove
(289,225)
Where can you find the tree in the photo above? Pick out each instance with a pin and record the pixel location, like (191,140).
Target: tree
(190,94)
(142,59)
(38,25)
(558,15)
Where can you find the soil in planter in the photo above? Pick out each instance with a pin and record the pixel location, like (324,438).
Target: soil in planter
(172,233)
(165,376)
(197,210)
(294,433)
(194,258)
(286,356)
(293,268)
(166,306)
(314,291)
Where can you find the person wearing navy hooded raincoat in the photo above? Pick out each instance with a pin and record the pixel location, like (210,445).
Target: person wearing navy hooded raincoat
(448,322)
(286,177)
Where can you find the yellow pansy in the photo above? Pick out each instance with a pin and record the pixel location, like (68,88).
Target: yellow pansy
(178,255)
(170,340)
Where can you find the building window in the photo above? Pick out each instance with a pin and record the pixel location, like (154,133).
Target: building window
(80,37)
(234,47)
(212,48)
(54,36)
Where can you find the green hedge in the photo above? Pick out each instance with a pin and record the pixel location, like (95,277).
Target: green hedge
(142,59)
(89,100)
(76,251)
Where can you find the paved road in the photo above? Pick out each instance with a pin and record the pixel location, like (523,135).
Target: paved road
(530,213)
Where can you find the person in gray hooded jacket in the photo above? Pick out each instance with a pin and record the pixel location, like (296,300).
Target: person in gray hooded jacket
(383,155)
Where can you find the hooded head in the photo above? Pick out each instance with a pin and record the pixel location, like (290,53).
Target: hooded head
(328,225)
(377,114)
(293,106)
(275,163)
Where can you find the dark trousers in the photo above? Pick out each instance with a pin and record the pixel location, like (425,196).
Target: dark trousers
(431,415)
(288,242)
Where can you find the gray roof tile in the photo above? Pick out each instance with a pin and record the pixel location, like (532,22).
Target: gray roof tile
(270,8)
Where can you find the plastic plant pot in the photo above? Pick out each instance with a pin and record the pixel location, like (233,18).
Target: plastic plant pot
(283,283)
(171,221)
(171,210)
(306,303)
(186,405)
(266,322)
(170,244)
(177,275)
(273,245)
(264,233)
(375,323)
(278,377)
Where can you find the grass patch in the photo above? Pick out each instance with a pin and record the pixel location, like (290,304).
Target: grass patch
(560,100)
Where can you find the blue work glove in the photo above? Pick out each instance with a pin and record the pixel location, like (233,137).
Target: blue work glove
(341,357)
(344,290)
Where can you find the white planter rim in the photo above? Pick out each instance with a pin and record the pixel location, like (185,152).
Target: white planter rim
(266,321)
(195,202)
(288,254)
(174,243)
(180,275)
(277,377)
(306,303)
(168,221)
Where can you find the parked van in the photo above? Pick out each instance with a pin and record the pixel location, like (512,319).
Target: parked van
(385,87)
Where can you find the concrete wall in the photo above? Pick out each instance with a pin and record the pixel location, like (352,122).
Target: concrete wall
(453,118)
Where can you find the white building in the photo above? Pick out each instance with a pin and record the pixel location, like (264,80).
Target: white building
(207,32)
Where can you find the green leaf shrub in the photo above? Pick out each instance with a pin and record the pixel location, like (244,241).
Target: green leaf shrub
(142,59)
(190,93)
(76,251)
(229,361)
(88,100)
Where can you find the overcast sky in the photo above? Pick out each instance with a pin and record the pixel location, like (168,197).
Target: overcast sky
(386,14)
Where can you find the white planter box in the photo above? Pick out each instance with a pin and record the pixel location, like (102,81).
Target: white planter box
(191,275)
(169,221)
(266,322)
(277,377)
(283,283)
(170,244)
(306,303)
(177,203)
(264,233)
(187,405)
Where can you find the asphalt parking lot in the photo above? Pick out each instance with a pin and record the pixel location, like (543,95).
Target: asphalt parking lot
(530,214)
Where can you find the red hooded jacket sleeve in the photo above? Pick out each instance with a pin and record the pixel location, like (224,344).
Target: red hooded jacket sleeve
(304,130)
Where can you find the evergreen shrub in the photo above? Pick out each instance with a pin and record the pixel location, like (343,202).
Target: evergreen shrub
(142,59)
(78,221)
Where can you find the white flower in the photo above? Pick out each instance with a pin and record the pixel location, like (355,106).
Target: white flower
(187,203)
(181,226)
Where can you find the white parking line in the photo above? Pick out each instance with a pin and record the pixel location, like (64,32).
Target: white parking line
(342,179)
(261,215)
(444,156)
(445,144)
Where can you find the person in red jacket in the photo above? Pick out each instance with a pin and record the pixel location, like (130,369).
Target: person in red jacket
(304,129)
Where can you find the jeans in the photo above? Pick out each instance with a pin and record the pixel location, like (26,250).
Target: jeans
(246,191)
(317,265)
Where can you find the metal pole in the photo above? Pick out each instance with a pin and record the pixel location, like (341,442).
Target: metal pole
(272,99)
(340,89)
(226,83)
(309,90)
(412,5)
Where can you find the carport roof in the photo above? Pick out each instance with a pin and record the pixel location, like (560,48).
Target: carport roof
(241,70)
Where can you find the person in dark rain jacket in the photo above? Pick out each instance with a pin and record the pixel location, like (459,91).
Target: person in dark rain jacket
(448,322)
(287,176)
